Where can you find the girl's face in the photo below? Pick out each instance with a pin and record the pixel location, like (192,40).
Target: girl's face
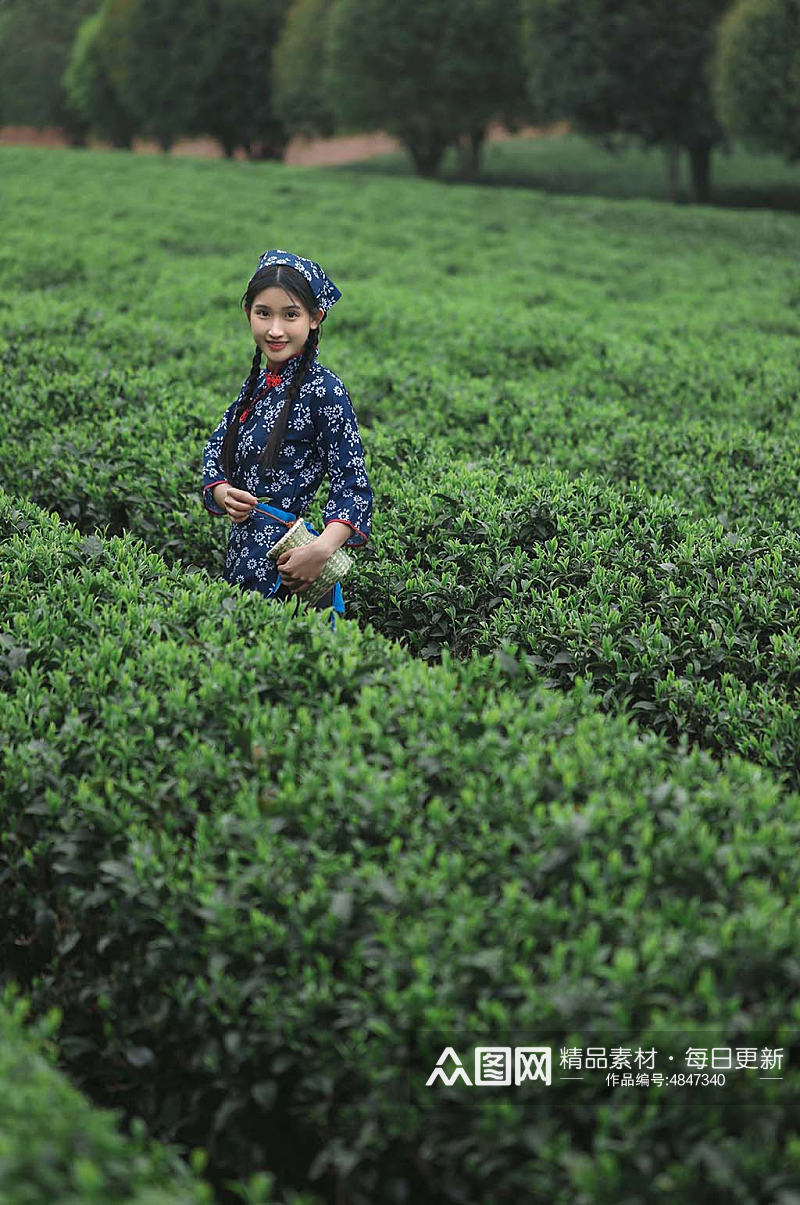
(280,324)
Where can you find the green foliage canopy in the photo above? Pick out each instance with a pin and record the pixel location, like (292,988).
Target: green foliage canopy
(35,41)
(237,105)
(90,87)
(428,71)
(633,69)
(182,69)
(159,59)
(301,93)
(757,74)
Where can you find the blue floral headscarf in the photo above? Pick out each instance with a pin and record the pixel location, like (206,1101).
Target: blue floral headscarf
(322,286)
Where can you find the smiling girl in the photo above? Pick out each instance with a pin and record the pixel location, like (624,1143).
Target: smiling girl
(292,423)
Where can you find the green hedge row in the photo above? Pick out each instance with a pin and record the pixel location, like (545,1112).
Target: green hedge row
(268,871)
(692,628)
(90,423)
(54,1147)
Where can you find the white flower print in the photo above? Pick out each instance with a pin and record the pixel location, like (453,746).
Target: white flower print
(322,438)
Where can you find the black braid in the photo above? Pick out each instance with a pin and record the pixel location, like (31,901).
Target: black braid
(269,455)
(231,440)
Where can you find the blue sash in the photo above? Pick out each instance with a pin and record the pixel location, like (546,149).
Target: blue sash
(337,604)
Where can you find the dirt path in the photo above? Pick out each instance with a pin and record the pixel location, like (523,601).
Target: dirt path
(302,151)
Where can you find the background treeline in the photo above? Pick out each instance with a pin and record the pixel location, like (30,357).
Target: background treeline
(253,73)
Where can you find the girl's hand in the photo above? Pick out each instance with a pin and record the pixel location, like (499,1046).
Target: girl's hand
(299,567)
(238,504)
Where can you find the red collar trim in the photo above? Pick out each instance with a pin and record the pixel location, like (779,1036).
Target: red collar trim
(271,379)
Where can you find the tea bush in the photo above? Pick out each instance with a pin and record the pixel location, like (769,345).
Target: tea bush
(268,872)
(639,342)
(690,627)
(55,1147)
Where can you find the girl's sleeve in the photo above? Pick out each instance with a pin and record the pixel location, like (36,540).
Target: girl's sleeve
(350,496)
(213,473)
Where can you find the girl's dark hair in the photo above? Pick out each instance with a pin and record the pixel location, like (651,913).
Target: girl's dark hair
(284,276)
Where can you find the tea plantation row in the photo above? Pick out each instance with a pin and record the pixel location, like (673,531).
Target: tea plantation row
(55,1147)
(637,341)
(721,441)
(268,873)
(692,628)
(633,343)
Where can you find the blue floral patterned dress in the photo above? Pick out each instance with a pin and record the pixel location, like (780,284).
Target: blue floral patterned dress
(321,437)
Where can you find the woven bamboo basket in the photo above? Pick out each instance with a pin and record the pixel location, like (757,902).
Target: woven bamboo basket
(336,567)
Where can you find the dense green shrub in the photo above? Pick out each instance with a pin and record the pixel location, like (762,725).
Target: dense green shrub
(631,69)
(757,73)
(237,104)
(91,90)
(252,860)
(197,67)
(104,410)
(429,72)
(690,627)
(158,60)
(301,95)
(55,1147)
(35,41)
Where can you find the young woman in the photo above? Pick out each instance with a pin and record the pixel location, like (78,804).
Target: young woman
(292,423)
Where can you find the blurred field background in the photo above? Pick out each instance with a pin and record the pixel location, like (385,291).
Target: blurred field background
(555,161)
(544,777)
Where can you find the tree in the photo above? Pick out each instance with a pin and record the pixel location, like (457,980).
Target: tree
(431,72)
(185,67)
(757,74)
(35,41)
(90,89)
(301,97)
(238,106)
(628,68)
(159,58)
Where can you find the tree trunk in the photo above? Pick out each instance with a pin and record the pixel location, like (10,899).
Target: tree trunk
(426,152)
(267,148)
(275,150)
(672,162)
(469,154)
(700,165)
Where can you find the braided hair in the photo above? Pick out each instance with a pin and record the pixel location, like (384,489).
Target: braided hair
(286,277)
